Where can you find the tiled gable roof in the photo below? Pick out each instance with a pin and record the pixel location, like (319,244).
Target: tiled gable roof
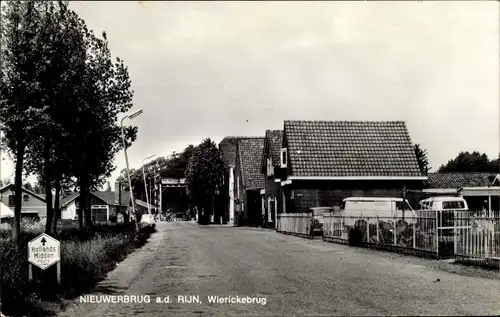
(10,186)
(459,180)
(68,198)
(275,140)
(350,148)
(227,147)
(107,197)
(250,153)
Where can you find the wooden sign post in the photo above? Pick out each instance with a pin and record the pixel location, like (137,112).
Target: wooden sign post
(43,252)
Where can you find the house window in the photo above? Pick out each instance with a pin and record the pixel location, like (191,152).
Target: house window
(26,197)
(270,169)
(284,158)
(238,187)
(11,201)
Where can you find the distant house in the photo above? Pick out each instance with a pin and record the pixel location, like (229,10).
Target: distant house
(33,205)
(103,204)
(248,181)
(480,190)
(270,168)
(142,207)
(227,148)
(324,162)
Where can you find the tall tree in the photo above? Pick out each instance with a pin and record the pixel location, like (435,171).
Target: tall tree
(22,47)
(470,162)
(203,176)
(422,160)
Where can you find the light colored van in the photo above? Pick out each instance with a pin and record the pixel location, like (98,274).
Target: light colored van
(373,207)
(443,203)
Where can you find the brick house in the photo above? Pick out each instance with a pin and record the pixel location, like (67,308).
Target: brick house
(270,168)
(33,205)
(103,204)
(248,181)
(324,162)
(227,148)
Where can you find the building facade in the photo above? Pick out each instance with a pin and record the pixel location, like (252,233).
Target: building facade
(324,162)
(271,169)
(248,182)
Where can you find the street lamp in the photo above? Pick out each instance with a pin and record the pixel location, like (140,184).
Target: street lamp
(145,185)
(131,116)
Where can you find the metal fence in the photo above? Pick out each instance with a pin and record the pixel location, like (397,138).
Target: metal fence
(299,224)
(408,233)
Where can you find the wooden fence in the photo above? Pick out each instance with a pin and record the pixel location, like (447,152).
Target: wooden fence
(298,224)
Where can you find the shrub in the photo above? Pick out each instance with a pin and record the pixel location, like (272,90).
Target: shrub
(86,258)
(355,237)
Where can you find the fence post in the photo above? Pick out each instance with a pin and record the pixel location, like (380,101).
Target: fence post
(436,232)
(455,234)
(486,236)
(368,230)
(492,233)
(414,233)
(378,230)
(394,229)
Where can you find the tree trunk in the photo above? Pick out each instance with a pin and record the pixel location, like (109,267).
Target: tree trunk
(48,186)
(18,191)
(82,199)
(50,207)
(57,207)
(86,212)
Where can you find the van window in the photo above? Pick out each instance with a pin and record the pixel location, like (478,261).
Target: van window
(453,204)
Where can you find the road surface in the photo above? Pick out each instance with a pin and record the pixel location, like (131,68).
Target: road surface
(297,277)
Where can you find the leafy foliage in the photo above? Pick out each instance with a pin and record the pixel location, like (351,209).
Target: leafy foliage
(471,162)
(61,94)
(422,160)
(204,174)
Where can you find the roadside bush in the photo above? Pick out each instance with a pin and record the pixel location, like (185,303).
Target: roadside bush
(86,258)
(355,237)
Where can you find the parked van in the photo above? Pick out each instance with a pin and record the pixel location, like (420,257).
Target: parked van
(446,209)
(451,213)
(373,207)
(443,203)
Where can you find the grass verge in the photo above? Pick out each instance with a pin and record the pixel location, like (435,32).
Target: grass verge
(87,255)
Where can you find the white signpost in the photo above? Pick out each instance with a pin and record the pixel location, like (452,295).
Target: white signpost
(43,252)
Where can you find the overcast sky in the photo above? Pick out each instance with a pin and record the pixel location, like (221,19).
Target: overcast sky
(215,69)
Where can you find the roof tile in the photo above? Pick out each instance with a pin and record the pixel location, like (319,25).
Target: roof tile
(459,180)
(227,147)
(250,151)
(350,148)
(275,139)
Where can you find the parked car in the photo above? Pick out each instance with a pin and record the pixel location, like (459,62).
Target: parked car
(148,220)
(317,223)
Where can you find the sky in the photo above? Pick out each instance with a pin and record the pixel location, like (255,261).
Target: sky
(216,69)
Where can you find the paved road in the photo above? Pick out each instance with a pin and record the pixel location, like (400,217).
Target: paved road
(298,277)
